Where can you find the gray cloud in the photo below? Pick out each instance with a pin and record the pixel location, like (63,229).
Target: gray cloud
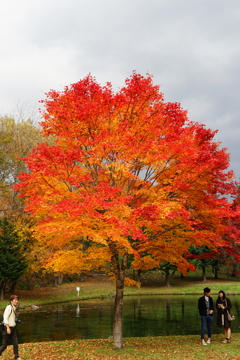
(190,47)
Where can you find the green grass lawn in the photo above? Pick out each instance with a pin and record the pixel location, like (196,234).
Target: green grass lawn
(169,347)
(97,286)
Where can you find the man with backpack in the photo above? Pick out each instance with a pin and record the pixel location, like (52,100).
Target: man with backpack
(9,331)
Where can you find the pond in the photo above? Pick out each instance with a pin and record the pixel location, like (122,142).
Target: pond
(142,316)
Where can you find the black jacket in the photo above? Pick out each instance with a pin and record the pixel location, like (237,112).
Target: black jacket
(227,306)
(202,305)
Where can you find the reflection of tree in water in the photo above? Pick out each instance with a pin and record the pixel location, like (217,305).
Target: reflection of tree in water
(137,309)
(58,309)
(182,309)
(235,309)
(168,310)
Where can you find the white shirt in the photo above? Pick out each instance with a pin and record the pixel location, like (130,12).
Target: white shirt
(9,316)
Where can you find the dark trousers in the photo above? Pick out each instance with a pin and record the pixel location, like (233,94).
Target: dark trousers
(206,321)
(7,337)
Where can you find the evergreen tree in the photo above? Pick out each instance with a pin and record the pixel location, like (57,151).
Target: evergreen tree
(202,257)
(12,254)
(166,267)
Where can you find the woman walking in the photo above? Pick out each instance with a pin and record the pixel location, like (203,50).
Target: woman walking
(223,306)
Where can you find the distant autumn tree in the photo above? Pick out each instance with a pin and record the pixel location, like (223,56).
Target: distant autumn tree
(129,173)
(17,138)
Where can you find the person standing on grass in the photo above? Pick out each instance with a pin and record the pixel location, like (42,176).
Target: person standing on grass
(224,305)
(9,331)
(206,308)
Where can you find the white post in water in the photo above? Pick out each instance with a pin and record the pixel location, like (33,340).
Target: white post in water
(78,290)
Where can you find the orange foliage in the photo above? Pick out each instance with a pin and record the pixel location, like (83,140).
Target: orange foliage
(126,169)
(131,282)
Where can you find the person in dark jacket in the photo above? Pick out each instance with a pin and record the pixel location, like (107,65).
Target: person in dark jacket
(223,305)
(206,308)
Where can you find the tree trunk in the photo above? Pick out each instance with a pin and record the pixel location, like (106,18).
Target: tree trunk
(167,278)
(139,276)
(58,280)
(117,324)
(13,287)
(234,270)
(215,272)
(2,288)
(133,274)
(204,273)
(119,269)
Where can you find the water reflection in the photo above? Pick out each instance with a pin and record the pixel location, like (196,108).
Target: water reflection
(78,310)
(142,316)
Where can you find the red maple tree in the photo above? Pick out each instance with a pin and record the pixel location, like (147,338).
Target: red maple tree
(129,173)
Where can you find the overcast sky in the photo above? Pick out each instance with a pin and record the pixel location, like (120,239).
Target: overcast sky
(191,47)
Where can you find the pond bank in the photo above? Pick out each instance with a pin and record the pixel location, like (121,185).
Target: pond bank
(96,287)
(169,347)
